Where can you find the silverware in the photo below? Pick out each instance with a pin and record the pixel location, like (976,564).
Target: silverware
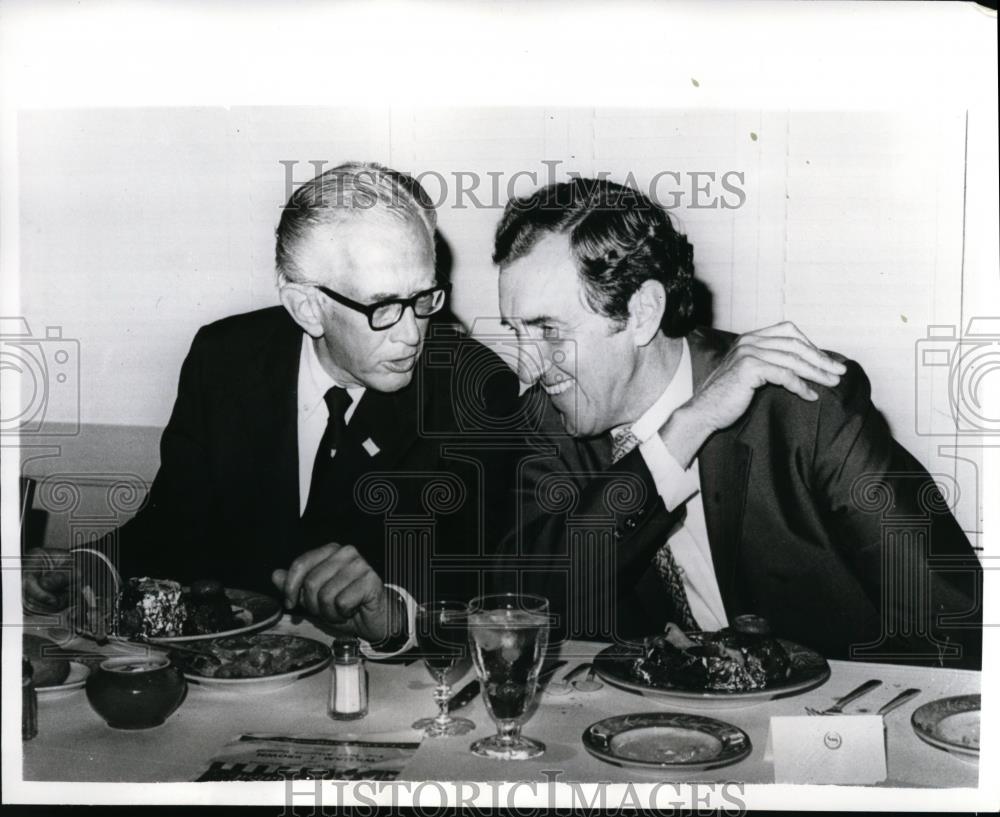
(465,696)
(468,693)
(549,671)
(840,703)
(577,670)
(588,684)
(899,700)
(191,651)
(562,686)
(174,647)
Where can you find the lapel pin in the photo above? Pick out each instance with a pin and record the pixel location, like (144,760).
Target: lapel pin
(370,447)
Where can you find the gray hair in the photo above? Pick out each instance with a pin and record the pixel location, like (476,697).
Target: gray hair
(349,191)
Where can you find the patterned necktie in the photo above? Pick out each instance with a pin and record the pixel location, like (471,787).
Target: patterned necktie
(622,442)
(671,574)
(337,401)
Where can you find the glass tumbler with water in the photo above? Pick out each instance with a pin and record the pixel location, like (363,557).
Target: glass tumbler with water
(509,634)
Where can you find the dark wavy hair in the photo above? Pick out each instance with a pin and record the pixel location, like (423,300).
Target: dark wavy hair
(619,238)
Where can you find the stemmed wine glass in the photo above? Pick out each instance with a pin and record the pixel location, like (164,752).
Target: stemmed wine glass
(443,642)
(509,633)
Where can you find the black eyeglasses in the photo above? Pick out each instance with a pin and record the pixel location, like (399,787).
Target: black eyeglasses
(388,313)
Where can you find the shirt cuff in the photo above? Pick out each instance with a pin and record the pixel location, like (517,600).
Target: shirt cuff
(393,645)
(674,484)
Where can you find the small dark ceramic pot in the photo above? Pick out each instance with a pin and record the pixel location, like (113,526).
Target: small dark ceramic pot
(136,693)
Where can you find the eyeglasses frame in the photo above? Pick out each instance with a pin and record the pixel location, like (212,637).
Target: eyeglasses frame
(369,310)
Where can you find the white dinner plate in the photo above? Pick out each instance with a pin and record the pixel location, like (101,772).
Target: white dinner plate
(77,678)
(266,683)
(808,670)
(254,611)
(257,683)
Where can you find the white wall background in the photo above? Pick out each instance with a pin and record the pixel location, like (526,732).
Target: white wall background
(140,225)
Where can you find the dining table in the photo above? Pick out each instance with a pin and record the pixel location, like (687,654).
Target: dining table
(74,744)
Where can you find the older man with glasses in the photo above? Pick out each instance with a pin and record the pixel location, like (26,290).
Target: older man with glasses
(313,448)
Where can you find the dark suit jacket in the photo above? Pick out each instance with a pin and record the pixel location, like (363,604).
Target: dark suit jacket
(225,502)
(817,520)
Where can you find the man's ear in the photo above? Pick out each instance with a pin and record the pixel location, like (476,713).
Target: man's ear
(303,305)
(646,308)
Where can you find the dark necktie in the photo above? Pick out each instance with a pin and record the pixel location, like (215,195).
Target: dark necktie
(337,401)
(670,572)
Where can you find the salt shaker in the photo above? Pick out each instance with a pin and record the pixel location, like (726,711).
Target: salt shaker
(348,681)
(29,701)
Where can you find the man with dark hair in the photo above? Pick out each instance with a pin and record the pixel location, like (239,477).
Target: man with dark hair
(308,448)
(709,476)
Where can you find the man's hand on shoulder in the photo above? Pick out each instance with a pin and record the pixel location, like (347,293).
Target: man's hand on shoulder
(779,354)
(335,583)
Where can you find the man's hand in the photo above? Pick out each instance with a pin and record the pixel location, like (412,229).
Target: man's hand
(778,354)
(45,579)
(335,583)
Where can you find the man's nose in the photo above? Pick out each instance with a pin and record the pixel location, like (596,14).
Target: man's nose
(407,330)
(531,362)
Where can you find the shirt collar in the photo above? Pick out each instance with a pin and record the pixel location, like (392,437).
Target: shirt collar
(315,381)
(679,390)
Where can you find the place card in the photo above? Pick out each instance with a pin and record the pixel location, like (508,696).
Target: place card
(827,749)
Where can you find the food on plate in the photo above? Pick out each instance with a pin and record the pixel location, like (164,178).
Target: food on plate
(49,666)
(961,728)
(208,609)
(971,738)
(739,658)
(151,608)
(252,656)
(160,608)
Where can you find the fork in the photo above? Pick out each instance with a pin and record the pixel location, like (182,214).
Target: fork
(182,648)
(840,703)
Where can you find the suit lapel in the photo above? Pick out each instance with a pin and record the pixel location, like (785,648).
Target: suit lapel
(379,433)
(724,466)
(383,427)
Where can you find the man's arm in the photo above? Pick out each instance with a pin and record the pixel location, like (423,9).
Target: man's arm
(780,355)
(653,480)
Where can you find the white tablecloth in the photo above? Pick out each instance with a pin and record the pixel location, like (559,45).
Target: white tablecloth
(74,743)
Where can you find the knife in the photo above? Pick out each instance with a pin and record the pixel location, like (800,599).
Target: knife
(468,693)
(549,671)
(899,700)
(465,696)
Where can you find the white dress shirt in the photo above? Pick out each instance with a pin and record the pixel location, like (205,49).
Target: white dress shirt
(678,486)
(313,384)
